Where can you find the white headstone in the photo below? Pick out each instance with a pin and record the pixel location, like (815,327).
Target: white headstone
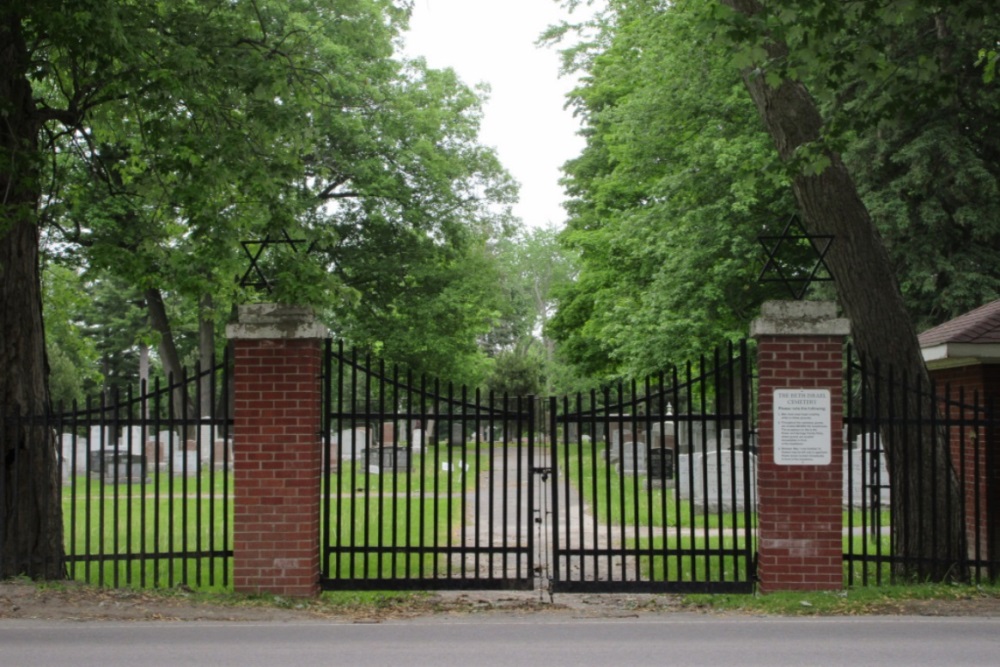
(352,441)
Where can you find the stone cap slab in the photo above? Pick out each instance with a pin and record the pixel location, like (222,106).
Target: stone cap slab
(271,321)
(799,318)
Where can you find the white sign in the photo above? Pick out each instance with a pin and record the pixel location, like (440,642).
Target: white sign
(802,431)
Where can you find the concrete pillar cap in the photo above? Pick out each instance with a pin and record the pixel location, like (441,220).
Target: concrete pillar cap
(799,318)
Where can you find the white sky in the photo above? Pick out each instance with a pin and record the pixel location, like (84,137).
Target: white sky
(493,41)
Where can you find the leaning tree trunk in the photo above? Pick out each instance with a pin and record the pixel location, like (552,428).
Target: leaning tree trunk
(31,535)
(933,542)
(182,407)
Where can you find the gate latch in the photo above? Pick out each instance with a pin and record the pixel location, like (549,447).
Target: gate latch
(544,472)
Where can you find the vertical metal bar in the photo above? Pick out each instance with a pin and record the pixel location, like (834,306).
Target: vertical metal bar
(631,483)
(526,475)
(157,408)
(692,510)
(371,441)
(200,443)
(849,429)
(436,497)
(505,477)
(720,494)
(396,452)
(326,422)
(115,490)
(128,564)
(71,548)
(408,529)
(679,534)
(336,536)
(462,468)
(749,499)
(216,432)
(101,444)
(351,529)
(608,443)
(425,432)
(554,517)
(647,427)
(589,419)
(379,448)
(227,456)
(451,475)
(576,443)
(476,529)
(491,490)
(962,474)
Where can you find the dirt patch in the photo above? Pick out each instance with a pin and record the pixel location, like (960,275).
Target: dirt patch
(76,602)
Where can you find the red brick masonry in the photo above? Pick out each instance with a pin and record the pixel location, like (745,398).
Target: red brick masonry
(277,460)
(799,506)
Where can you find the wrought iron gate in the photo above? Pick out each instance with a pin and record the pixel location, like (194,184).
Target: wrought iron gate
(425,486)
(635,488)
(652,483)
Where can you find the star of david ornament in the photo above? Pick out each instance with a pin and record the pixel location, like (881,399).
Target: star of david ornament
(795,258)
(255,275)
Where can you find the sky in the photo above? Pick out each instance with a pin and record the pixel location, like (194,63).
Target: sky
(493,41)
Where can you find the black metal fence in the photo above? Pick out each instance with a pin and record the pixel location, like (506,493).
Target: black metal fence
(425,486)
(936,428)
(146,483)
(653,482)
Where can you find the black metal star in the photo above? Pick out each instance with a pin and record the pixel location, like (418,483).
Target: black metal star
(262,282)
(799,252)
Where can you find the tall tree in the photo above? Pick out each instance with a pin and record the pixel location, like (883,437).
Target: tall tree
(667,198)
(178,128)
(866,286)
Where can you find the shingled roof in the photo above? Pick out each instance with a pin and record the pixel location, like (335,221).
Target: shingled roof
(981,325)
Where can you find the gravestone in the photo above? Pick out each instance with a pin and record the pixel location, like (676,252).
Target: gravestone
(661,467)
(456,437)
(184,463)
(417,440)
(388,434)
(701,485)
(74,454)
(100,438)
(131,440)
(633,458)
(352,442)
(386,459)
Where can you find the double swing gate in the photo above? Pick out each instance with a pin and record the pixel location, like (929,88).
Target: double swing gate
(636,487)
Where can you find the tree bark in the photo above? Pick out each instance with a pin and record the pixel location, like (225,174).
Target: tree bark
(172,367)
(919,461)
(206,353)
(31,534)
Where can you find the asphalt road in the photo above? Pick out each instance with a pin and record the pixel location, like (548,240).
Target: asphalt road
(520,641)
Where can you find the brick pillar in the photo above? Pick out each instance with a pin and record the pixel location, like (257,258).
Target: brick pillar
(276,450)
(800,440)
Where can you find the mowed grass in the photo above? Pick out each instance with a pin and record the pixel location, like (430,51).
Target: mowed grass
(620,499)
(178,530)
(400,524)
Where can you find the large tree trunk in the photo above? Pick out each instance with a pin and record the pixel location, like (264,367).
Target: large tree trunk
(158,320)
(31,536)
(920,466)
(206,352)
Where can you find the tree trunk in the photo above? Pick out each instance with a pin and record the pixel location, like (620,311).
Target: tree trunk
(206,353)
(168,355)
(31,535)
(920,466)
